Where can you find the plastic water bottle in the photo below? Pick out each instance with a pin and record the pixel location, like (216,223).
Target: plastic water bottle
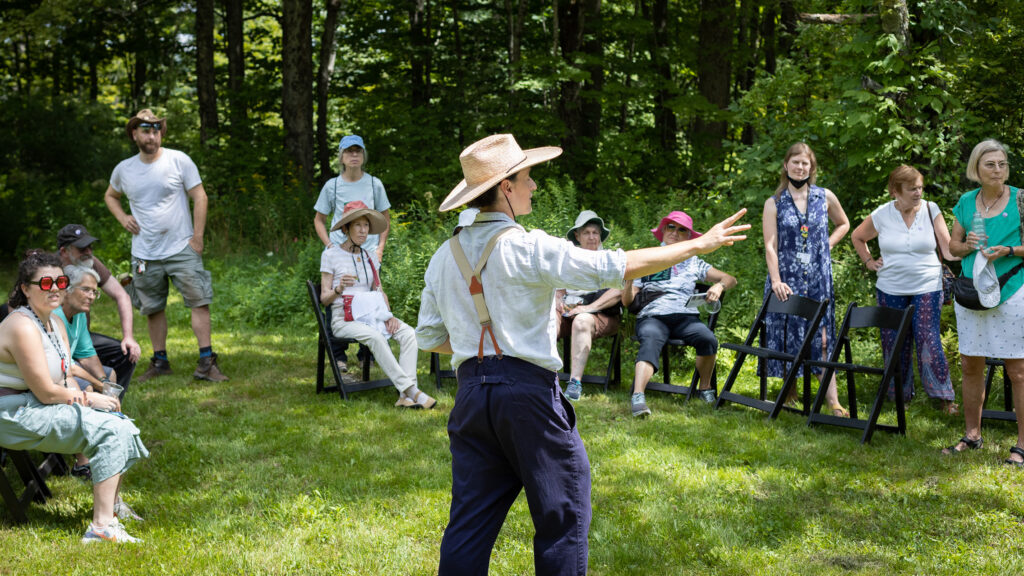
(978,227)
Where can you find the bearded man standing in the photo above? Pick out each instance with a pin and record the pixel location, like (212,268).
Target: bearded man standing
(167,241)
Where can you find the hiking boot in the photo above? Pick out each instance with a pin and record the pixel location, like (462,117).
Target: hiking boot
(157,367)
(208,370)
(638,405)
(574,389)
(114,532)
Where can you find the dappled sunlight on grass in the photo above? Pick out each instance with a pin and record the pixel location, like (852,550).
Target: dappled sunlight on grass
(260,475)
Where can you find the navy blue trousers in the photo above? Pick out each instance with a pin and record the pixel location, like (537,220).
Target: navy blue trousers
(512,429)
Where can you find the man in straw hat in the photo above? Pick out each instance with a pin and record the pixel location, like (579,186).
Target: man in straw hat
(167,241)
(350,285)
(489,301)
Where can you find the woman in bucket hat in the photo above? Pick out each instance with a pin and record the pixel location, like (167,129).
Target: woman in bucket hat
(350,284)
(586,314)
(668,317)
(489,300)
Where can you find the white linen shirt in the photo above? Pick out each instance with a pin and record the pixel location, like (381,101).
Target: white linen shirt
(519,281)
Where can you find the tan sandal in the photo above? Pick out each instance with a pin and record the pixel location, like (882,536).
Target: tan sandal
(422,400)
(404,402)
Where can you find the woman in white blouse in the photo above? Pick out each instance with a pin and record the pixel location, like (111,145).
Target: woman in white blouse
(909,273)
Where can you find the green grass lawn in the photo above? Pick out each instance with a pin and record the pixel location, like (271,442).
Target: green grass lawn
(262,476)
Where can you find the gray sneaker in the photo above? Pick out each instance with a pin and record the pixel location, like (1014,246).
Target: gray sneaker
(708,396)
(574,390)
(638,404)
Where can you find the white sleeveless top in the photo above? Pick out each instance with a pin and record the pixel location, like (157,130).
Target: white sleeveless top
(10,375)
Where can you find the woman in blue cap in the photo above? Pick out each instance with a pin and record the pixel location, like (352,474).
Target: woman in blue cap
(352,184)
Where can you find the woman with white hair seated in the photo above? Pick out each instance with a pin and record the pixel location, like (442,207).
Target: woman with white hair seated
(41,410)
(586,315)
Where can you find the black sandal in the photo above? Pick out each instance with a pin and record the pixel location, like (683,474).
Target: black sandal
(971,444)
(1017,463)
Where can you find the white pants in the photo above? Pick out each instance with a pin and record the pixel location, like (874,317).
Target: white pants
(402,371)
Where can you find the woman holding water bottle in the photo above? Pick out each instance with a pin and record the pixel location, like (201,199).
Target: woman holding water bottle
(911,232)
(991,252)
(666,315)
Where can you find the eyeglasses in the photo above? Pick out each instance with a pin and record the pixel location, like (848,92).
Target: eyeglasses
(993,165)
(675,228)
(46,283)
(95,293)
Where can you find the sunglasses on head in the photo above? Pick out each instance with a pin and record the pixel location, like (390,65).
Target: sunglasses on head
(46,283)
(153,125)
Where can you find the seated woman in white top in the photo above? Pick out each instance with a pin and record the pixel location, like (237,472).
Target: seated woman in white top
(40,409)
(349,282)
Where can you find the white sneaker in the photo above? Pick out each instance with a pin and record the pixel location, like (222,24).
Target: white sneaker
(114,532)
(125,512)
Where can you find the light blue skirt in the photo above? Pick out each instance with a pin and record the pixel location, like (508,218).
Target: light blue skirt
(111,443)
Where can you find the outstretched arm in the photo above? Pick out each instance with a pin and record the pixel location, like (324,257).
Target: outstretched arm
(640,263)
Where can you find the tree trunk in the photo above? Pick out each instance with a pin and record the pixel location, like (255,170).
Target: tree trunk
(896,20)
(206,86)
(237,105)
(514,19)
(664,117)
(460,81)
(714,74)
(771,41)
(579,103)
(297,85)
(417,63)
(789,20)
(328,55)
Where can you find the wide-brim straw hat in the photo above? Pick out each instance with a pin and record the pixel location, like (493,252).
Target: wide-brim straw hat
(489,161)
(357,209)
(146,115)
(586,217)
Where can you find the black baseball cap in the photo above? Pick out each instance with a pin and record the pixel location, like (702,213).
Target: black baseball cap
(76,235)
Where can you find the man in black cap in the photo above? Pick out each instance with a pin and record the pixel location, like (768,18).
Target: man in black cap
(74,244)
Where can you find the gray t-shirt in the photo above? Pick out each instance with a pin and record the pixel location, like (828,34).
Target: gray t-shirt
(337,192)
(157,196)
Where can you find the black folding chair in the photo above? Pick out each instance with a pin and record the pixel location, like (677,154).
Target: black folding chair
(325,353)
(674,344)
(810,310)
(1007,413)
(35,489)
(866,317)
(438,372)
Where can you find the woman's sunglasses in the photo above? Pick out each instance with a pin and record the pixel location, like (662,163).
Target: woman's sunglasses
(46,283)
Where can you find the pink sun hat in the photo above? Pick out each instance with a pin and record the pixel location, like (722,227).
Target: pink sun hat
(679,217)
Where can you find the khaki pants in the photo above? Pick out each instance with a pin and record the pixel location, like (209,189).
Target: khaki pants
(402,371)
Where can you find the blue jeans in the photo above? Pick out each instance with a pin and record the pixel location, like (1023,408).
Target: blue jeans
(512,429)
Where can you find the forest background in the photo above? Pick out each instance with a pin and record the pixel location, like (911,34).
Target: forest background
(660,105)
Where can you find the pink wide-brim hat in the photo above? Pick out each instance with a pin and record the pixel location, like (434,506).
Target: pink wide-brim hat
(358,209)
(679,217)
(489,161)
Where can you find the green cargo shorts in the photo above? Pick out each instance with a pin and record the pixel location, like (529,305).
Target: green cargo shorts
(148,289)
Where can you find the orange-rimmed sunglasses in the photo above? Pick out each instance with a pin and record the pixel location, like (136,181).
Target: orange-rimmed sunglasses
(46,283)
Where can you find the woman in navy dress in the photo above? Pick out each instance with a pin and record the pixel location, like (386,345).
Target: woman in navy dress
(797,249)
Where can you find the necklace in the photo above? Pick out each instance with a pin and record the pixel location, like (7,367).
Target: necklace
(362,259)
(54,340)
(981,198)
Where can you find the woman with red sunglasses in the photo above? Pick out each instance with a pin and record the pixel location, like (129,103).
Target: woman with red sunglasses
(41,410)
